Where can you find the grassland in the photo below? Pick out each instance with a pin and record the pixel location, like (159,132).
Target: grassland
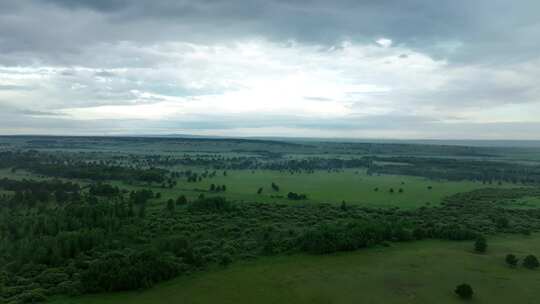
(352,186)
(419,272)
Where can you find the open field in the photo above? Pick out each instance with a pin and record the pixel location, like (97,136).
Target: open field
(352,186)
(420,272)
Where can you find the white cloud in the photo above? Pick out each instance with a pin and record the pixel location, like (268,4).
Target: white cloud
(258,80)
(384,42)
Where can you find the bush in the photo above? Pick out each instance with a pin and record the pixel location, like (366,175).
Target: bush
(129,271)
(31,296)
(480,245)
(225,259)
(212,204)
(464,291)
(511,260)
(332,238)
(530,262)
(52,277)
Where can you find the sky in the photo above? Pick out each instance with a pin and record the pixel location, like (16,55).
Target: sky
(394,69)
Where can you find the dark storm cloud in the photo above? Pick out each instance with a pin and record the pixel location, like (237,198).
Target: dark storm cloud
(461,30)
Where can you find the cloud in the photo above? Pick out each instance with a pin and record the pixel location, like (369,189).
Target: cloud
(384,42)
(302,67)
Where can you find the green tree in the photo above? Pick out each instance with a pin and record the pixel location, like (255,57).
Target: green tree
(530,262)
(480,245)
(511,260)
(464,291)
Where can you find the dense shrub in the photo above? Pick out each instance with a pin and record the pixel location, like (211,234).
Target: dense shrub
(464,291)
(128,271)
(214,204)
(530,262)
(346,237)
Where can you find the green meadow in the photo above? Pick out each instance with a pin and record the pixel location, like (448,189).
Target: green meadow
(418,272)
(351,186)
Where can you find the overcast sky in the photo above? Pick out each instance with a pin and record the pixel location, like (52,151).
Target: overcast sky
(404,69)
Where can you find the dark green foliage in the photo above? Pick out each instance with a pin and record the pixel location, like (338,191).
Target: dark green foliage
(106,190)
(296,197)
(31,296)
(501,222)
(141,196)
(351,236)
(129,270)
(511,260)
(464,291)
(181,200)
(171,206)
(480,245)
(217,188)
(214,204)
(225,259)
(530,262)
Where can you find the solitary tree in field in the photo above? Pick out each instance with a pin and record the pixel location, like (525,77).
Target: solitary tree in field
(464,291)
(391,190)
(480,245)
(376,189)
(260,190)
(530,262)
(511,260)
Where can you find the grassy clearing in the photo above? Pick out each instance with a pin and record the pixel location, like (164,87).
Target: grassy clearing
(420,272)
(352,186)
